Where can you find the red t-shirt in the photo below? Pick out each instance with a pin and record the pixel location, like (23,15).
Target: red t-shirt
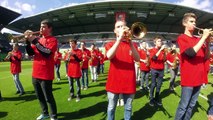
(102,58)
(74,69)
(85,59)
(43,67)
(157,64)
(94,58)
(58,57)
(15,65)
(211,59)
(193,70)
(171,57)
(143,66)
(121,77)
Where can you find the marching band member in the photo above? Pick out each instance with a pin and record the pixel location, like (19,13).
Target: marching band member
(43,50)
(74,69)
(121,77)
(93,62)
(173,62)
(15,67)
(85,65)
(144,66)
(57,58)
(157,59)
(193,53)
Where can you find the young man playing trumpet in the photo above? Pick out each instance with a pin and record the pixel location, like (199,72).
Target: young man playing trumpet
(121,78)
(43,50)
(15,57)
(193,57)
(157,59)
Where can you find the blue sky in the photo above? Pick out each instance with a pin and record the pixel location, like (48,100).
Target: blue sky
(31,7)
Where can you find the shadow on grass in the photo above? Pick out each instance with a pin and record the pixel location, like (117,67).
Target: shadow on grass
(97,94)
(195,110)
(22,99)
(3,114)
(100,107)
(141,93)
(147,112)
(61,82)
(167,92)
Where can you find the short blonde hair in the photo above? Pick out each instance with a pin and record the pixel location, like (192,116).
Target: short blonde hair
(188,15)
(156,38)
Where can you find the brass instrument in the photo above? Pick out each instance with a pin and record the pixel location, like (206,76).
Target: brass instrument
(21,38)
(201,29)
(8,56)
(138,30)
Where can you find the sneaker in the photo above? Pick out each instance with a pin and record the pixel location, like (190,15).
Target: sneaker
(85,88)
(77,99)
(17,92)
(53,119)
(42,117)
(22,93)
(58,79)
(159,103)
(147,88)
(69,99)
(82,87)
(118,103)
(141,87)
(152,102)
(121,102)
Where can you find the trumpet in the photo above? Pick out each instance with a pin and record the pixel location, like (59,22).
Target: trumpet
(200,31)
(138,30)
(8,56)
(20,38)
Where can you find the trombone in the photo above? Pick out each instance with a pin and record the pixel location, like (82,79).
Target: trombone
(138,30)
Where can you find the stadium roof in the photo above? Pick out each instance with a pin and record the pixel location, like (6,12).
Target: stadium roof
(99,16)
(7,16)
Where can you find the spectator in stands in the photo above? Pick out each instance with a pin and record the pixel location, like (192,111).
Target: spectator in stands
(74,69)
(84,66)
(121,78)
(172,59)
(157,59)
(193,54)
(43,50)
(15,57)
(93,62)
(144,66)
(57,58)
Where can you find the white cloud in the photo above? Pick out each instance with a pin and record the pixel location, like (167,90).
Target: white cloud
(198,4)
(5,3)
(18,6)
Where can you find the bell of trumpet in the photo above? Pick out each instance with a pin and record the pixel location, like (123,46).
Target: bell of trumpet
(138,30)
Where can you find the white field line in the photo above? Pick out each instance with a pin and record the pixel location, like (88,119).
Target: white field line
(203,97)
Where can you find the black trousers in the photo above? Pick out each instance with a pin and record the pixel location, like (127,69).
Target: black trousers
(43,90)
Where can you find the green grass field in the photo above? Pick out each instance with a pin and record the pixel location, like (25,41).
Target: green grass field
(93,104)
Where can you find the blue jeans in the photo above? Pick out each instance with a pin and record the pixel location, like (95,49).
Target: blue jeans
(84,75)
(187,102)
(71,81)
(157,80)
(144,78)
(210,110)
(17,82)
(112,102)
(57,68)
(173,73)
(102,68)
